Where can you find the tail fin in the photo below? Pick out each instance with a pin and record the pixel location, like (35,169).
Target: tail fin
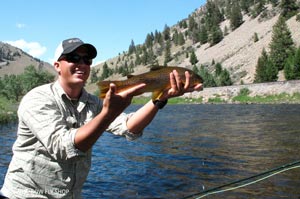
(103,87)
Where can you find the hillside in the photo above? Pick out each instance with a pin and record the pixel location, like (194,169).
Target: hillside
(13,61)
(237,51)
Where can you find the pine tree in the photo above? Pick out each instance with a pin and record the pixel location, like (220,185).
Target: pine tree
(236,16)
(168,56)
(215,35)
(106,71)
(181,40)
(224,78)
(93,75)
(149,40)
(166,33)
(288,8)
(261,71)
(131,48)
(292,66)
(271,72)
(208,79)
(282,44)
(203,35)
(218,69)
(289,68)
(193,58)
(297,63)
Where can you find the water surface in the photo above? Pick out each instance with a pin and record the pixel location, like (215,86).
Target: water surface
(191,148)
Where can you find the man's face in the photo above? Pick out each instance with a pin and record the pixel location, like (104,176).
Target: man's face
(72,73)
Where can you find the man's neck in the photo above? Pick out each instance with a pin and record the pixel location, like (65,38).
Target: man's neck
(73,91)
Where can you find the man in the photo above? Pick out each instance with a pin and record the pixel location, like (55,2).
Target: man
(60,122)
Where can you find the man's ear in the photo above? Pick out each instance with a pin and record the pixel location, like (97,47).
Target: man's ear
(57,66)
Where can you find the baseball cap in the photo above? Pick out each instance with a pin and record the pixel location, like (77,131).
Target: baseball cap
(69,45)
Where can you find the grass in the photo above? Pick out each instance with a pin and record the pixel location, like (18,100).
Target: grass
(270,99)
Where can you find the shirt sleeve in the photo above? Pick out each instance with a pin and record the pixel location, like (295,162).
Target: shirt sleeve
(119,127)
(41,117)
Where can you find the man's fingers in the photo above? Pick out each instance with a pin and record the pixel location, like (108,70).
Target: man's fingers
(187,80)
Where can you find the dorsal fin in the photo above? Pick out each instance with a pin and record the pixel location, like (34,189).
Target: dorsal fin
(129,76)
(156,67)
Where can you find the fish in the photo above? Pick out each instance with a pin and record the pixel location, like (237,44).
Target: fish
(157,81)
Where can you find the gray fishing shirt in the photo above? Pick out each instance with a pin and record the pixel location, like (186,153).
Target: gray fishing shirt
(45,162)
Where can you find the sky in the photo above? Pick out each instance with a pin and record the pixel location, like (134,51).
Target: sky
(37,27)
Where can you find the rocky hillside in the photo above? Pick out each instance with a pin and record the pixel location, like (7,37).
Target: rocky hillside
(238,51)
(13,61)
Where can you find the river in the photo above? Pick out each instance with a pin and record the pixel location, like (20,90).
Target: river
(188,149)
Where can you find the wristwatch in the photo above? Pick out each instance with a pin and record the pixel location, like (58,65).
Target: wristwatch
(160,104)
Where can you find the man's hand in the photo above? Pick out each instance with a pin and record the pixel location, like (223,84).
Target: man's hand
(115,103)
(178,88)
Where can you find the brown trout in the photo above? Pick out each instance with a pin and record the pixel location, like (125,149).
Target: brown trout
(157,80)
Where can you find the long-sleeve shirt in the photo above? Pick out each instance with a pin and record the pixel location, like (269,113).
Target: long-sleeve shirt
(45,162)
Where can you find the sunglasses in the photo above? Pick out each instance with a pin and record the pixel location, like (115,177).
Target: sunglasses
(75,58)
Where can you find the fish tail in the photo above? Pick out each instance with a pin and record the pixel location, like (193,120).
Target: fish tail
(103,87)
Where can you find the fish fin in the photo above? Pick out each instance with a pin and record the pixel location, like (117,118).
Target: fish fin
(156,95)
(103,87)
(129,76)
(156,67)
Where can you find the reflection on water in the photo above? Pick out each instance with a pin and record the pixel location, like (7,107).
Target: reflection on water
(191,148)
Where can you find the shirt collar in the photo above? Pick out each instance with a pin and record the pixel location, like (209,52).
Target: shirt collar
(83,99)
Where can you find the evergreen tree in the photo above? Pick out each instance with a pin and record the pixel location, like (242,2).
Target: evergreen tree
(213,15)
(274,2)
(208,79)
(236,16)
(292,66)
(149,40)
(106,72)
(218,69)
(192,23)
(182,24)
(260,73)
(224,78)
(168,56)
(288,8)
(282,44)
(195,69)
(175,37)
(203,35)
(271,72)
(131,48)
(193,58)
(181,40)
(145,57)
(289,73)
(297,63)
(166,33)
(216,35)
(94,77)
(138,60)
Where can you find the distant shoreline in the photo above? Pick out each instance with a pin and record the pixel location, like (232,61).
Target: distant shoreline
(287,92)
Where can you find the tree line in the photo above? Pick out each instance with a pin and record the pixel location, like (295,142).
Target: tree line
(15,86)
